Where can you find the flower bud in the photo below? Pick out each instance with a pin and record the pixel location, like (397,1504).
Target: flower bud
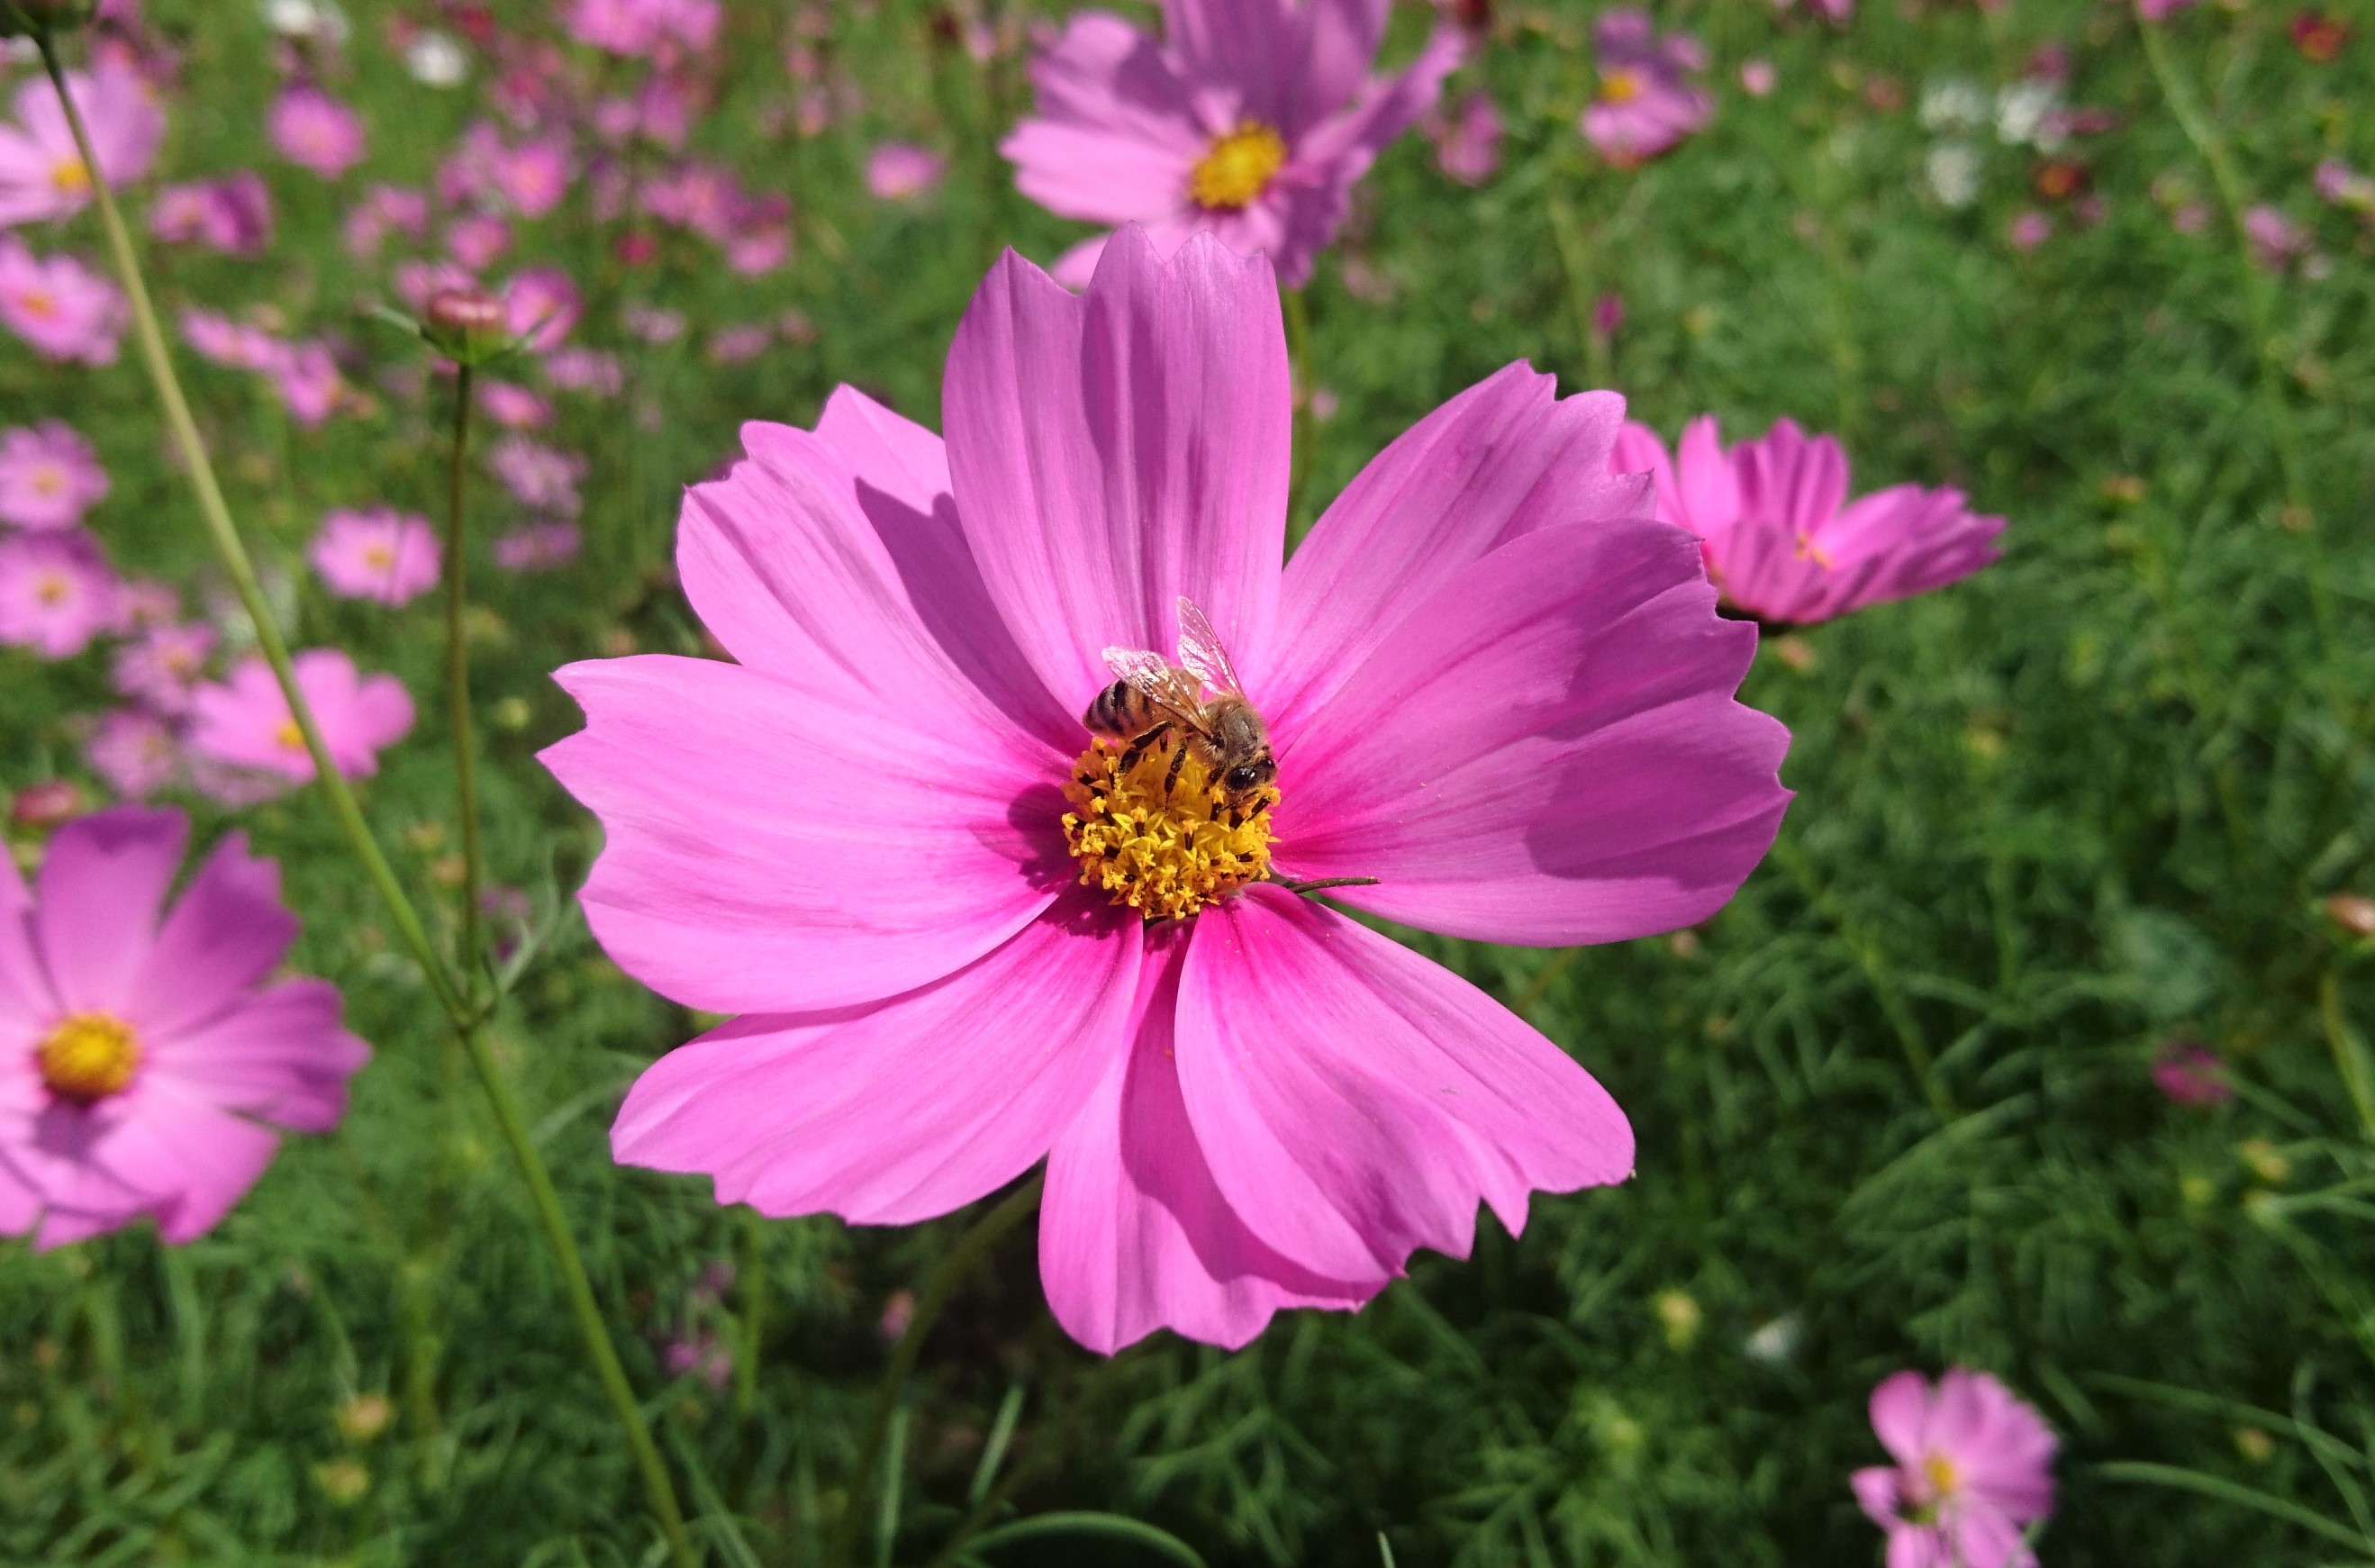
(2353,913)
(31,18)
(466,326)
(45,805)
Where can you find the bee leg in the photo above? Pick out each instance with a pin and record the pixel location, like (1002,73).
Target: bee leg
(1138,748)
(1179,761)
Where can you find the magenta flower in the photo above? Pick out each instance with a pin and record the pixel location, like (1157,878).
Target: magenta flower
(534,176)
(2160,10)
(513,406)
(477,240)
(642,27)
(1252,120)
(1079,947)
(56,592)
(245,722)
(538,546)
(1782,541)
(49,476)
(1974,1464)
(42,174)
(2190,1073)
(537,476)
(1468,146)
(62,308)
(586,369)
(162,666)
(314,131)
(2029,229)
(386,209)
(232,215)
(135,751)
(233,345)
(306,376)
(146,1058)
(377,553)
(1645,105)
(2275,239)
(900,172)
(541,305)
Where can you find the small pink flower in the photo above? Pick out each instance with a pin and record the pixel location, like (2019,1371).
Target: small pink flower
(699,1354)
(1757,77)
(1974,1465)
(233,345)
(386,209)
(2160,10)
(1608,315)
(541,305)
(534,176)
(146,1060)
(2030,229)
(2275,239)
(513,406)
(586,369)
(42,174)
(900,172)
(60,307)
(2191,1074)
(56,592)
(653,324)
(539,547)
(417,282)
(1644,106)
(163,665)
(49,476)
(2338,182)
(477,240)
(736,344)
(246,724)
(1468,146)
(135,751)
(232,215)
(306,376)
(377,553)
(1251,121)
(146,603)
(541,478)
(1780,538)
(314,131)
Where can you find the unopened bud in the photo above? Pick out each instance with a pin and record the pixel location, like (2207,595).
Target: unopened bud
(2353,913)
(45,805)
(466,326)
(31,18)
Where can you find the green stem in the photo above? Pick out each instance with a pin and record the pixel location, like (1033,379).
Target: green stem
(1575,262)
(754,1312)
(2349,1053)
(943,1283)
(358,835)
(458,693)
(1909,1037)
(1298,354)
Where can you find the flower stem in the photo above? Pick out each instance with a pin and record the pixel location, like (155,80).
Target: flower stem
(457,695)
(943,1283)
(358,836)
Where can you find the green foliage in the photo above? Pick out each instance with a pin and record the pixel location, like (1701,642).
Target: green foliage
(1894,1103)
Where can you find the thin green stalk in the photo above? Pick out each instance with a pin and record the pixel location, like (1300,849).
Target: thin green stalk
(1298,354)
(943,1284)
(2349,1053)
(458,693)
(754,1312)
(358,835)
(1575,262)
(1909,1035)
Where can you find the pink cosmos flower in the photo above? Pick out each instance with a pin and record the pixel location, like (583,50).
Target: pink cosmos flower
(314,131)
(1974,1464)
(1644,106)
(738,345)
(387,208)
(513,406)
(160,666)
(1468,146)
(56,592)
(2161,10)
(2190,1073)
(306,376)
(1757,77)
(541,305)
(49,476)
(233,345)
(2338,182)
(60,307)
(377,553)
(538,546)
(2030,229)
(586,369)
(537,476)
(1253,119)
(135,751)
(146,1058)
(950,969)
(2275,239)
(476,239)
(246,724)
(232,215)
(534,176)
(900,172)
(143,603)
(42,174)
(1782,541)
(417,282)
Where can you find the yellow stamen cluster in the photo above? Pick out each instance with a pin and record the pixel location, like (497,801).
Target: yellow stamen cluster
(290,735)
(1619,87)
(52,589)
(88,1056)
(1807,549)
(1237,167)
(69,178)
(1940,1471)
(1164,855)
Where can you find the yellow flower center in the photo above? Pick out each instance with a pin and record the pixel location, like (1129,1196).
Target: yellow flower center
(69,178)
(52,589)
(1165,853)
(1940,1471)
(290,735)
(1619,87)
(88,1056)
(37,302)
(1237,167)
(1807,549)
(379,557)
(49,479)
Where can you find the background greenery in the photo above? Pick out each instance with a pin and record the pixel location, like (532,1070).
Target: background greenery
(1894,1103)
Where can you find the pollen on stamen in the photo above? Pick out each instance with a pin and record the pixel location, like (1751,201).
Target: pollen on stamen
(1164,855)
(87,1056)
(1236,167)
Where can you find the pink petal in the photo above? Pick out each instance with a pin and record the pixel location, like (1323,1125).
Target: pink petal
(103,880)
(281,1057)
(1638,451)
(1114,451)
(227,930)
(1900,1417)
(1706,481)
(1877,1492)
(1133,1234)
(1357,1100)
(1503,458)
(908,1110)
(206,1158)
(1547,751)
(1116,130)
(20,1203)
(1788,479)
(774,850)
(26,998)
(1388,106)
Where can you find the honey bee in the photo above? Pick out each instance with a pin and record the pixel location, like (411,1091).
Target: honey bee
(1154,698)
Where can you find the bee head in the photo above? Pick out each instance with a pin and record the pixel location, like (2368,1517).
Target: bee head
(1248,776)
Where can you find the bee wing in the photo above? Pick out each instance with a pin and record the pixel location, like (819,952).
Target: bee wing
(1201,650)
(1157,682)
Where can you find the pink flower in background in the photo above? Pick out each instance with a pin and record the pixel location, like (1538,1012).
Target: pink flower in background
(1974,1464)
(246,722)
(643,27)
(42,174)
(2275,239)
(147,1059)
(541,305)
(1258,1104)
(1252,120)
(900,172)
(146,603)
(513,405)
(2191,1074)
(1645,105)
(49,476)
(377,553)
(163,664)
(534,176)
(306,376)
(2344,186)
(1757,77)
(737,345)
(586,369)
(232,215)
(60,307)
(233,345)
(538,546)
(56,592)
(2160,10)
(1468,146)
(386,209)
(541,478)
(477,240)
(417,282)
(135,751)
(1781,539)
(653,324)
(2030,229)
(314,131)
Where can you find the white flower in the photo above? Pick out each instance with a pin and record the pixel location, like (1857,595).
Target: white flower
(435,60)
(1953,103)
(307,19)
(1775,1343)
(1952,172)
(2023,111)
